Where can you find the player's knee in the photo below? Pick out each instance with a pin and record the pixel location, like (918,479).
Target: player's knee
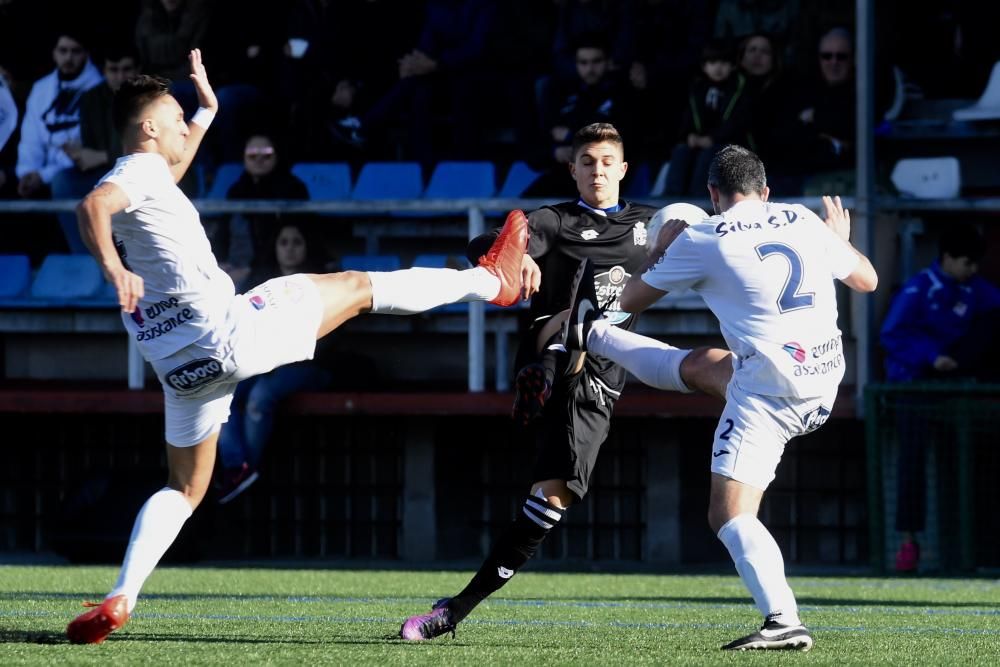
(556,492)
(707,369)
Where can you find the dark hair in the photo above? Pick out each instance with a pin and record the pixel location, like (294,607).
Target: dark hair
(591,40)
(716,50)
(134,95)
(596,133)
(962,240)
(119,51)
(736,170)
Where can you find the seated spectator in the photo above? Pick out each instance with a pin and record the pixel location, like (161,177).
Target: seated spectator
(813,132)
(437,79)
(328,125)
(577,20)
(718,114)
(736,19)
(99,145)
(941,326)
(669,36)
(761,63)
(52,117)
(8,124)
(51,122)
(245,239)
(165,33)
(595,96)
(251,419)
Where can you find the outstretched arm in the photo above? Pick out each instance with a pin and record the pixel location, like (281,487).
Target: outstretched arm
(206,100)
(639,295)
(94,218)
(863,278)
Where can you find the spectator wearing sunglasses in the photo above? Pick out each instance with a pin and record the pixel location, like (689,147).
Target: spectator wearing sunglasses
(816,133)
(248,237)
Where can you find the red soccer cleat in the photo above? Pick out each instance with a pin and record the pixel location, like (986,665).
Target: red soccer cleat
(503,259)
(94,626)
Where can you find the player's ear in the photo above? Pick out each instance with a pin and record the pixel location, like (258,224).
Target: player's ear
(765,193)
(624,167)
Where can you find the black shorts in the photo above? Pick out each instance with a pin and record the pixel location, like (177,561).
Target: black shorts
(573,426)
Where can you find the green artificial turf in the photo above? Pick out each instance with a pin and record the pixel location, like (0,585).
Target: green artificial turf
(222,616)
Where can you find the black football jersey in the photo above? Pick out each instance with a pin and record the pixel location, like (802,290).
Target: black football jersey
(562,235)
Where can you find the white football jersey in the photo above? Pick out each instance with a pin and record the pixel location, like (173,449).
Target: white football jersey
(766,270)
(160,238)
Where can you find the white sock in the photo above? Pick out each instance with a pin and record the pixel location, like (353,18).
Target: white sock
(155,529)
(652,362)
(419,289)
(761,567)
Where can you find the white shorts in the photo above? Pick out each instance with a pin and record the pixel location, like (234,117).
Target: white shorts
(271,325)
(754,428)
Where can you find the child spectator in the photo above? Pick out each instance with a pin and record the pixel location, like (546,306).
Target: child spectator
(717,114)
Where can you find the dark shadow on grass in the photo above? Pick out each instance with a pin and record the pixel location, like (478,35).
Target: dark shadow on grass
(32,637)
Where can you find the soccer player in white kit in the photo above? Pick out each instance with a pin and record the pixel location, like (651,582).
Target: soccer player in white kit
(202,338)
(766,271)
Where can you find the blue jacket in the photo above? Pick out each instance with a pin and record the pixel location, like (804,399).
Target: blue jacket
(929,314)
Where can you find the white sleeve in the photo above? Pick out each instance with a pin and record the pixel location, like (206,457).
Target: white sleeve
(31,149)
(842,259)
(679,268)
(131,182)
(8,114)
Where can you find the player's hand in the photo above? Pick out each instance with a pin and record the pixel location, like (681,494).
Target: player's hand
(30,184)
(945,363)
(129,286)
(86,159)
(838,218)
(206,96)
(667,234)
(531,277)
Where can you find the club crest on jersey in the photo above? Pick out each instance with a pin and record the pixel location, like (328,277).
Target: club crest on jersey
(258,302)
(797,352)
(639,234)
(589,234)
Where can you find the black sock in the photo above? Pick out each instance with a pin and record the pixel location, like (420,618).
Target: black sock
(514,548)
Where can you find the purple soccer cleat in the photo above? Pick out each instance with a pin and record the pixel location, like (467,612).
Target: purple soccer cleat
(428,626)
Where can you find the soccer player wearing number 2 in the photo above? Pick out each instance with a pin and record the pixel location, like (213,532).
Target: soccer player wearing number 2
(766,271)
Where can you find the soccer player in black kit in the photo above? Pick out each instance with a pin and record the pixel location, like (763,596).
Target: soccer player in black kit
(573,405)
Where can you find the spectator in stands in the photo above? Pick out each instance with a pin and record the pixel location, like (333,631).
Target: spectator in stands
(941,326)
(251,414)
(718,114)
(596,96)
(328,125)
(52,116)
(736,19)
(813,131)
(99,145)
(577,20)
(247,237)
(165,33)
(8,124)
(438,79)
(669,36)
(761,63)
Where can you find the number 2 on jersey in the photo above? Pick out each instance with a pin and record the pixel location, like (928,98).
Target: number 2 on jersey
(790,299)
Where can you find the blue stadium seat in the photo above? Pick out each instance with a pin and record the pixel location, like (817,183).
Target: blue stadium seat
(519,178)
(324,180)
(67,279)
(388,180)
(370,263)
(225,176)
(462,180)
(441,261)
(15,275)
(639,182)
